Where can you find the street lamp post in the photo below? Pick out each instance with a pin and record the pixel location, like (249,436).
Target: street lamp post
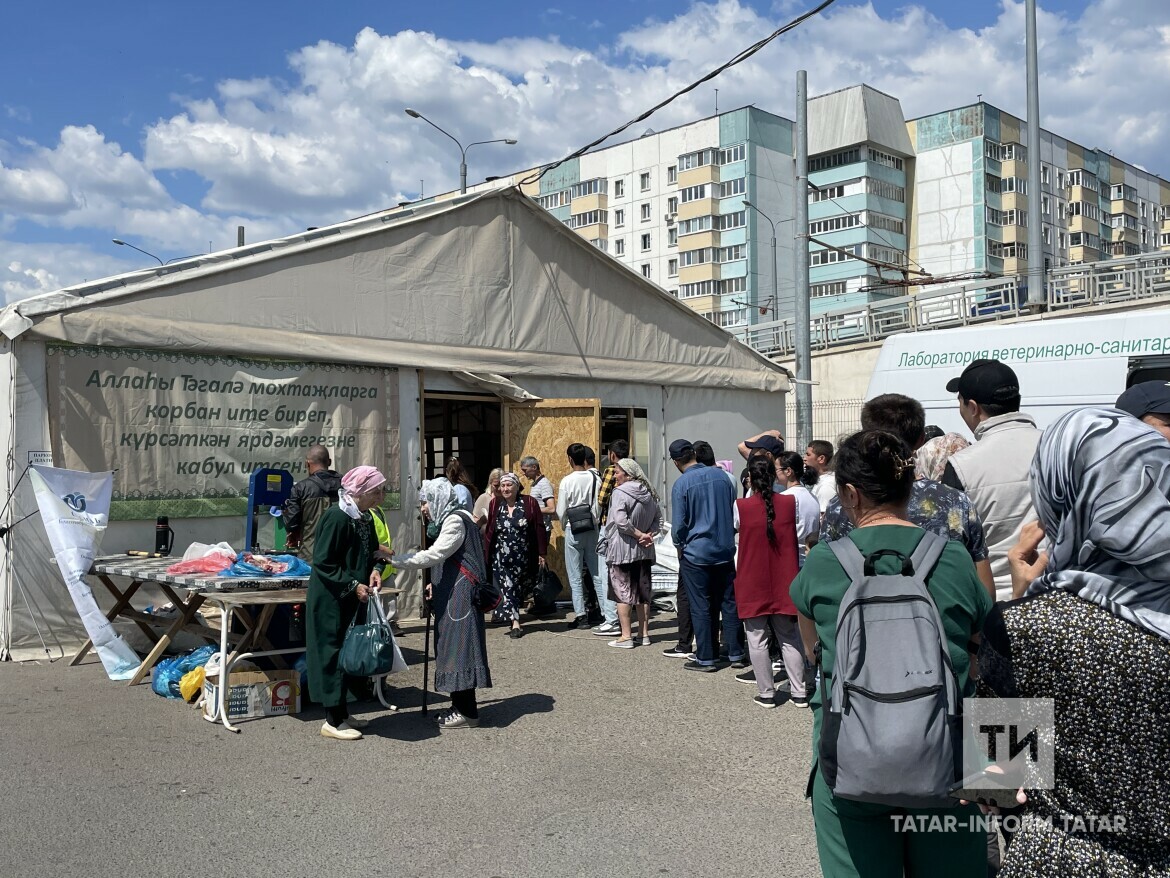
(415,114)
(775,273)
(122,243)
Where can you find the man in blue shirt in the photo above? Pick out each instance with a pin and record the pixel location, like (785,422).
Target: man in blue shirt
(701,510)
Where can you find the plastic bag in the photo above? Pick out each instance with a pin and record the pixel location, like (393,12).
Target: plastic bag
(192,684)
(202,550)
(267,566)
(168,674)
(210,564)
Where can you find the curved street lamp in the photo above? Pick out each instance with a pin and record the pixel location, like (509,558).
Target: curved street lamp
(122,243)
(415,114)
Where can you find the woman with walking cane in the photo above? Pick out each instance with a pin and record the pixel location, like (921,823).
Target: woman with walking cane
(460,644)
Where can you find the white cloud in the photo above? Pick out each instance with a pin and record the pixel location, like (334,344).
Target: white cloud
(330,139)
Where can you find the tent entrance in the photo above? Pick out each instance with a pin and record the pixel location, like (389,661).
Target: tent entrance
(465,426)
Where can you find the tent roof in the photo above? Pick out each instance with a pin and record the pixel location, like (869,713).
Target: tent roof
(490,283)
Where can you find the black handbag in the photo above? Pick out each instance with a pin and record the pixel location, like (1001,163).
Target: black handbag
(547,588)
(579,519)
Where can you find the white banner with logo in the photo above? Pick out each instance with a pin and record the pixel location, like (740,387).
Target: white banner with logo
(75,508)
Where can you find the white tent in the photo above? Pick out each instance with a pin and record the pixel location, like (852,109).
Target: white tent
(183,377)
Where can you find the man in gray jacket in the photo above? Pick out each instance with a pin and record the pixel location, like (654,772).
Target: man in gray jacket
(994,471)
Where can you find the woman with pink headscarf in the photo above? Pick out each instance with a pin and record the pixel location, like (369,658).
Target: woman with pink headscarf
(345,574)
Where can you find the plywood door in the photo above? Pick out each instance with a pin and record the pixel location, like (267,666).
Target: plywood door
(544,430)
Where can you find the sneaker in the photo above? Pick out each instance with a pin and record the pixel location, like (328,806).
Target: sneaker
(740,663)
(695,665)
(574,624)
(646,640)
(607,629)
(343,732)
(455,720)
(677,652)
(747,677)
(766,703)
(622,644)
(799,702)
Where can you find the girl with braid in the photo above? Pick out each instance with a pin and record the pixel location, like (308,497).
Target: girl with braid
(768,561)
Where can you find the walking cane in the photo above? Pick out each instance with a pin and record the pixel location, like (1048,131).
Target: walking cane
(426,658)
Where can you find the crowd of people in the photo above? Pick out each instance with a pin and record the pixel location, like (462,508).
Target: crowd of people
(1050,581)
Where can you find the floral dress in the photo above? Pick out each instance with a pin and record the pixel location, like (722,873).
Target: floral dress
(510,561)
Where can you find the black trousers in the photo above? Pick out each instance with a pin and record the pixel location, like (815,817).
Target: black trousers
(686,629)
(339,714)
(464,702)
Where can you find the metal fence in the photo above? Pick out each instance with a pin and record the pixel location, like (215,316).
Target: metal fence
(831,419)
(1111,282)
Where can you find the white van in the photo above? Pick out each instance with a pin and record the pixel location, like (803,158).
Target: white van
(1063,363)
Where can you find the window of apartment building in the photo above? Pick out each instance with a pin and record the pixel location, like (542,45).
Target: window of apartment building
(1121,192)
(554,199)
(672,268)
(1084,179)
(886,223)
(888,255)
(729,188)
(1086,209)
(724,319)
(1061,241)
(600,244)
(828,257)
(646,211)
(733,253)
(1015,184)
(1084,239)
(835,288)
(672,237)
(731,154)
(619,217)
(1045,174)
(597,186)
(696,159)
(693,291)
(619,188)
(994,183)
(885,190)
(645,241)
(732,285)
(1145,236)
(674,292)
(696,257)
(834,224)
(695,224)
(729,221)
(644,181)
(992,150)
(1013,152)
(1045,205)
(1048,235)
(1123,221)
(672,174)
(994,217)
(672,204)
(1060,179)
(646,270)
(619,247)
(1015,217)
(1007,251)
(884,158)
(825,193)
(694,193)
(1164,239)
(834,159)
(589,218)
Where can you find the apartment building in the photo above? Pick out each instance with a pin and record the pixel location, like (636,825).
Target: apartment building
(970,204)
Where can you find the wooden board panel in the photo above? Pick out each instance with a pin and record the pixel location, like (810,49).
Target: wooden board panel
(544,430)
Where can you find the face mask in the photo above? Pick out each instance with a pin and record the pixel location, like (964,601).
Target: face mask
(432,531)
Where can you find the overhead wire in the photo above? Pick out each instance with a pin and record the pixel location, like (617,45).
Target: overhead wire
(738,58)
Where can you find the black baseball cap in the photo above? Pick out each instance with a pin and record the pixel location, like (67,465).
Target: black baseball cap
(681,449)
(986,381)
(770,444)
(1147,398)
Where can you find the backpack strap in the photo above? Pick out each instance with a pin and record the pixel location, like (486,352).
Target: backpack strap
(849,557)
(926,555)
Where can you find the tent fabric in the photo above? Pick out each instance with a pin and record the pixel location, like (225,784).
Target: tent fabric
(489,284)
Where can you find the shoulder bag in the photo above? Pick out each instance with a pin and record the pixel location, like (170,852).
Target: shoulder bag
(579,519)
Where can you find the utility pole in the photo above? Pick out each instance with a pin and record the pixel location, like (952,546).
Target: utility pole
(1037,295)
(800,263)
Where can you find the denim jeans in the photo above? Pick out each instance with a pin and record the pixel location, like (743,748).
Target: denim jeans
(709,591)
(583,547)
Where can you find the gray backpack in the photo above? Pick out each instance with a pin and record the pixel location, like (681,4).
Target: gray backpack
(891,732)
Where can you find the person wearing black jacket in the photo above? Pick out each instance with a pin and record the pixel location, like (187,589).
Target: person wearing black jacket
(309,499)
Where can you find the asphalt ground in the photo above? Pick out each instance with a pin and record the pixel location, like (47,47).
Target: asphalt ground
(589,761)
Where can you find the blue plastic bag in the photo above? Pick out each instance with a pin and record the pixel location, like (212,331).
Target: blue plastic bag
(241,568)
(165,677)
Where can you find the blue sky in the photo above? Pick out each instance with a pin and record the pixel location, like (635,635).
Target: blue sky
(168,124)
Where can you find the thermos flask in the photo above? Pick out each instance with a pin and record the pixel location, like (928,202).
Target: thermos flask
(164,537)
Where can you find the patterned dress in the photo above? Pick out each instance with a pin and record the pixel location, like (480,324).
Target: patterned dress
(460,645)
(1108,814)
(510,564)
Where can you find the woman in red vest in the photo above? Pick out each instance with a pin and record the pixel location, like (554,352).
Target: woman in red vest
(768,561)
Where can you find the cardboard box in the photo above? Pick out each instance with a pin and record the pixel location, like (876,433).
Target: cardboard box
(255,694)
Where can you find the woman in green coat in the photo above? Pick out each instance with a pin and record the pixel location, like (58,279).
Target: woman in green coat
(344,576)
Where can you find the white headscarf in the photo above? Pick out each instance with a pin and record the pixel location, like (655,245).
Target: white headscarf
(439,495)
